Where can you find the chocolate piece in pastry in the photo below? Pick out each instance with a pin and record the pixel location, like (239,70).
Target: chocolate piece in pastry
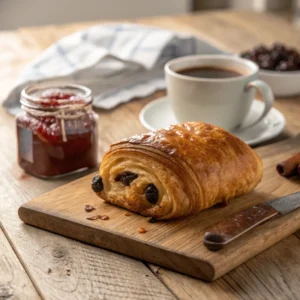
(177,171)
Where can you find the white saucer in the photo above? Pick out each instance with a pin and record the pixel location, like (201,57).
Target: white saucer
(158,114)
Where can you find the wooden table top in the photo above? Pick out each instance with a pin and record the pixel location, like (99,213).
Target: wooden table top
(36,264)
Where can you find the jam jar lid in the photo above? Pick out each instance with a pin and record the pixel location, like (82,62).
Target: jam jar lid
(62,101)
(55,96)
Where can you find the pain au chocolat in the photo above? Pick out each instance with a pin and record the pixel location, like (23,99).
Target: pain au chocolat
(177,171)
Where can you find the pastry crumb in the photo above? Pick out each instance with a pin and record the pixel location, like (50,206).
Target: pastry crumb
(142,230)
(127,214)
(93,218)
(89,208)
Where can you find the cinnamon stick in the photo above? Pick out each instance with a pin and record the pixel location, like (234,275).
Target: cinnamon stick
(289,167)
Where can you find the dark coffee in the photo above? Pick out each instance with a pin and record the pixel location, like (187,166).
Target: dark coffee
(209,72)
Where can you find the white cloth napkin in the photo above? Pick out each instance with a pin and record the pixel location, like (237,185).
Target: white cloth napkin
(117,61)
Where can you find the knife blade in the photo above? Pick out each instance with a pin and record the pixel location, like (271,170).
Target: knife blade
(230,229)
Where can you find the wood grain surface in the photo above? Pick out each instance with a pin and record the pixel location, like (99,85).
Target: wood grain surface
(234,31)
(176,244)
(14,282)
(273,274)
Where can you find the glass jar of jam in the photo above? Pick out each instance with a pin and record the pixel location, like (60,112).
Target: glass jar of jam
(57,130)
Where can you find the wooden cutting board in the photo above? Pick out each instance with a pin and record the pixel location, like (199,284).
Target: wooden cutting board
(173,244)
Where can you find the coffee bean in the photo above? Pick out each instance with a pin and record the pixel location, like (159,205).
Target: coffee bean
(126,178)
(267,64)
(292,52)
(263,57)
(278,57)
(282,66)
(151,193)
(291,65)
(97,184)
(261,49)
(279,46)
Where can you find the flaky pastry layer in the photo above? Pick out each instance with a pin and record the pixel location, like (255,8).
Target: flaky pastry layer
(191,165)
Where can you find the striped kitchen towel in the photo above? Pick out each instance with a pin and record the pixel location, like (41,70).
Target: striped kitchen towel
(117,61)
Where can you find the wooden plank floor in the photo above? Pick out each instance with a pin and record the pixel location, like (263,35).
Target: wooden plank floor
(99,274)
(14,282)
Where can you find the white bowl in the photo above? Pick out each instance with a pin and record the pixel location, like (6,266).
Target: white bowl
(283,84)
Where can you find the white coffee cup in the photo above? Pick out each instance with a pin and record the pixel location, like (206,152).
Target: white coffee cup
(224,102)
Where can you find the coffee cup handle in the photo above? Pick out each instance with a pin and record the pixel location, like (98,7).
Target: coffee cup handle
(268,98)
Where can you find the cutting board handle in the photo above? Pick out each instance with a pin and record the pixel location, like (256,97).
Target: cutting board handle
(228,230)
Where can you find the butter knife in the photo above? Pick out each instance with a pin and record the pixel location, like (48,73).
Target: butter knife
(230,229)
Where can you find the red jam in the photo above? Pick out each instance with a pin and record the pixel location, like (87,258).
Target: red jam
(57,131)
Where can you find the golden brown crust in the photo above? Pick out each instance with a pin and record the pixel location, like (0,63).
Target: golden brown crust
(194,166)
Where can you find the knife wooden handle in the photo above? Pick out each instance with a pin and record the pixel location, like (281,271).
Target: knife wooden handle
(228,230)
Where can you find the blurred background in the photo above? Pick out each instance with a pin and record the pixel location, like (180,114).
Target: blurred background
(17,13)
